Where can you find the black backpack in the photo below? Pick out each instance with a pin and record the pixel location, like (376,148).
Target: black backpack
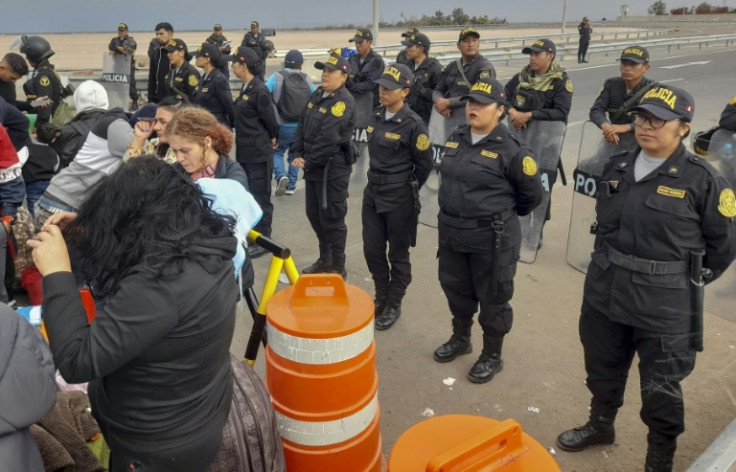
(295,92)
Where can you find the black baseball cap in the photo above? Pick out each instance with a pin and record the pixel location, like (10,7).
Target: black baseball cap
(395,76)
(254,24)
(637,54)
(541,45)
(122,27)
(417,39)
(176,44)
(335,62)
(409,32)
(246,55)
(468,32)
(486,90)
(361,34)
(217,27)
(209,50)
(667,103)
(293,58)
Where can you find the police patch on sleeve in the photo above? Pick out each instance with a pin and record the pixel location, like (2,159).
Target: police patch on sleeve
(45,82)
(568,85)
(193,80)
(484,74)
(727,203)
(338,109)
(529,166)
(422,142)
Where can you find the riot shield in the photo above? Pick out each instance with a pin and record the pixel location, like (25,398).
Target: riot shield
(720,297)
(363,114)
(545,139)
(440,128)
(430,190)
(116,79)
(593,154)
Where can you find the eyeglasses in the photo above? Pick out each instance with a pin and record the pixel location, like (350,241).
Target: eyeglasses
(654,122)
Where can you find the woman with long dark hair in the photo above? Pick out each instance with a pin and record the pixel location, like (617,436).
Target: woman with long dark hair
(150,135)
(156,356)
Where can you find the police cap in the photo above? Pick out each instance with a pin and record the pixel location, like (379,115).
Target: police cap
(217,27)
(361,34)
(334,62)
(122,27)
(417,39)
(209,50)
(468,32)
(541,45)
(395,76)
(177,44)
(637,54)
(246,55)
(409,32)
(486,90)
(667,103)
(254,24)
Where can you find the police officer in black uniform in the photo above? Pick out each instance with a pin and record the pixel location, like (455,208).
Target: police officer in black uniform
(213,91)
(256,135)
(400,162)
(658,207)
(584,30)
(44,80)
(427,71)
(124,44)
(322,149)
(460,75)
(488,178)
(610,111)
(223,45)
(401,56)
(183,78)
(255,40)
(366,66)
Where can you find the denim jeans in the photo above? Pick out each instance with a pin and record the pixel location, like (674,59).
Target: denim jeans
(34,190)
(287,133)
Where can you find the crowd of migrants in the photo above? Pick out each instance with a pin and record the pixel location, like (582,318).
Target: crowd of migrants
(149,210)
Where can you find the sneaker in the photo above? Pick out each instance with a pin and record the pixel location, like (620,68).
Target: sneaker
(256,251)
(281,185)
(290,191)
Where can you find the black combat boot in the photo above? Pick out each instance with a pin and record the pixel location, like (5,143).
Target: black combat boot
(660,455)
(338,266)
(458,344)
(379,301)
(489,363)
(598,430)
(390,313)
(320,266)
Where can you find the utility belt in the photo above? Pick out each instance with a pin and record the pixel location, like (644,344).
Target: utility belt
(382,179)
(646,266)
(472,223)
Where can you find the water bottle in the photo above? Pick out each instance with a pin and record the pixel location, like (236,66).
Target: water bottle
(726,152)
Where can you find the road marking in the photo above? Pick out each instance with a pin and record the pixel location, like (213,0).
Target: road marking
(677,66)
(670,80)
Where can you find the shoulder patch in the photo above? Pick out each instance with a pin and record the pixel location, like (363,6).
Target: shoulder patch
(193,80)
(310,105)
(45,82)
(451,144)
(338,109)
(727,203)
(568,85)
(484,73)
(529,166)
(423,142)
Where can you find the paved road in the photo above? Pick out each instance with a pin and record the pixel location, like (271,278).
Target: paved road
(542,385)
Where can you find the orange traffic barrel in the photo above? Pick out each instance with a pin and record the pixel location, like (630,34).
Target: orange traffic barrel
(321,374)
(465,443)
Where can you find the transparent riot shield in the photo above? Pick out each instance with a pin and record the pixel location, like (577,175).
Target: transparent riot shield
(440,128)
(545,140)
(429,192)
(363,114)
(720,296)
(593,154)
(116,79)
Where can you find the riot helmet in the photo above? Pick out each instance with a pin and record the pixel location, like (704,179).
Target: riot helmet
(35,48)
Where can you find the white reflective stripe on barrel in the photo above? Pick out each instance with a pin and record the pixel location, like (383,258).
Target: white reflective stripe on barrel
(326,433)
(319,351)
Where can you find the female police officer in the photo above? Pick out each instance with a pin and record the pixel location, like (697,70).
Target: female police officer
(400,162)
(488,178)
(658,207)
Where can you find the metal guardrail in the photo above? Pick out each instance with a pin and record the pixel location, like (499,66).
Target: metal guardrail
(720,455)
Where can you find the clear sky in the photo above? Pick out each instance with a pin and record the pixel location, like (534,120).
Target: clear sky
(50,16)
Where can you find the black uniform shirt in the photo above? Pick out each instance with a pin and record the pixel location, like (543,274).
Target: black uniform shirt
(682,205)
(451,83)
(728,116)
(44,82)
(324,132)
(128,44)
(218,41)
(611,98)
(182,81)
(364,73)
(213,94)
(255,123)
(397,146)
(584,29)
(256,42)
(426,78)
(157,71)
(552,104)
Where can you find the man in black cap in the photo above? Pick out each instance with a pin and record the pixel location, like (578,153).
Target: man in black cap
(322,148)
(255,40)
(610,111)
(584,30)
(159,62)
(12,68)
(401,57)
(461,74)
(183,78)
(256,135)
(427,71)
(365,67)
(124,45)
(219,40)
(400,162)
